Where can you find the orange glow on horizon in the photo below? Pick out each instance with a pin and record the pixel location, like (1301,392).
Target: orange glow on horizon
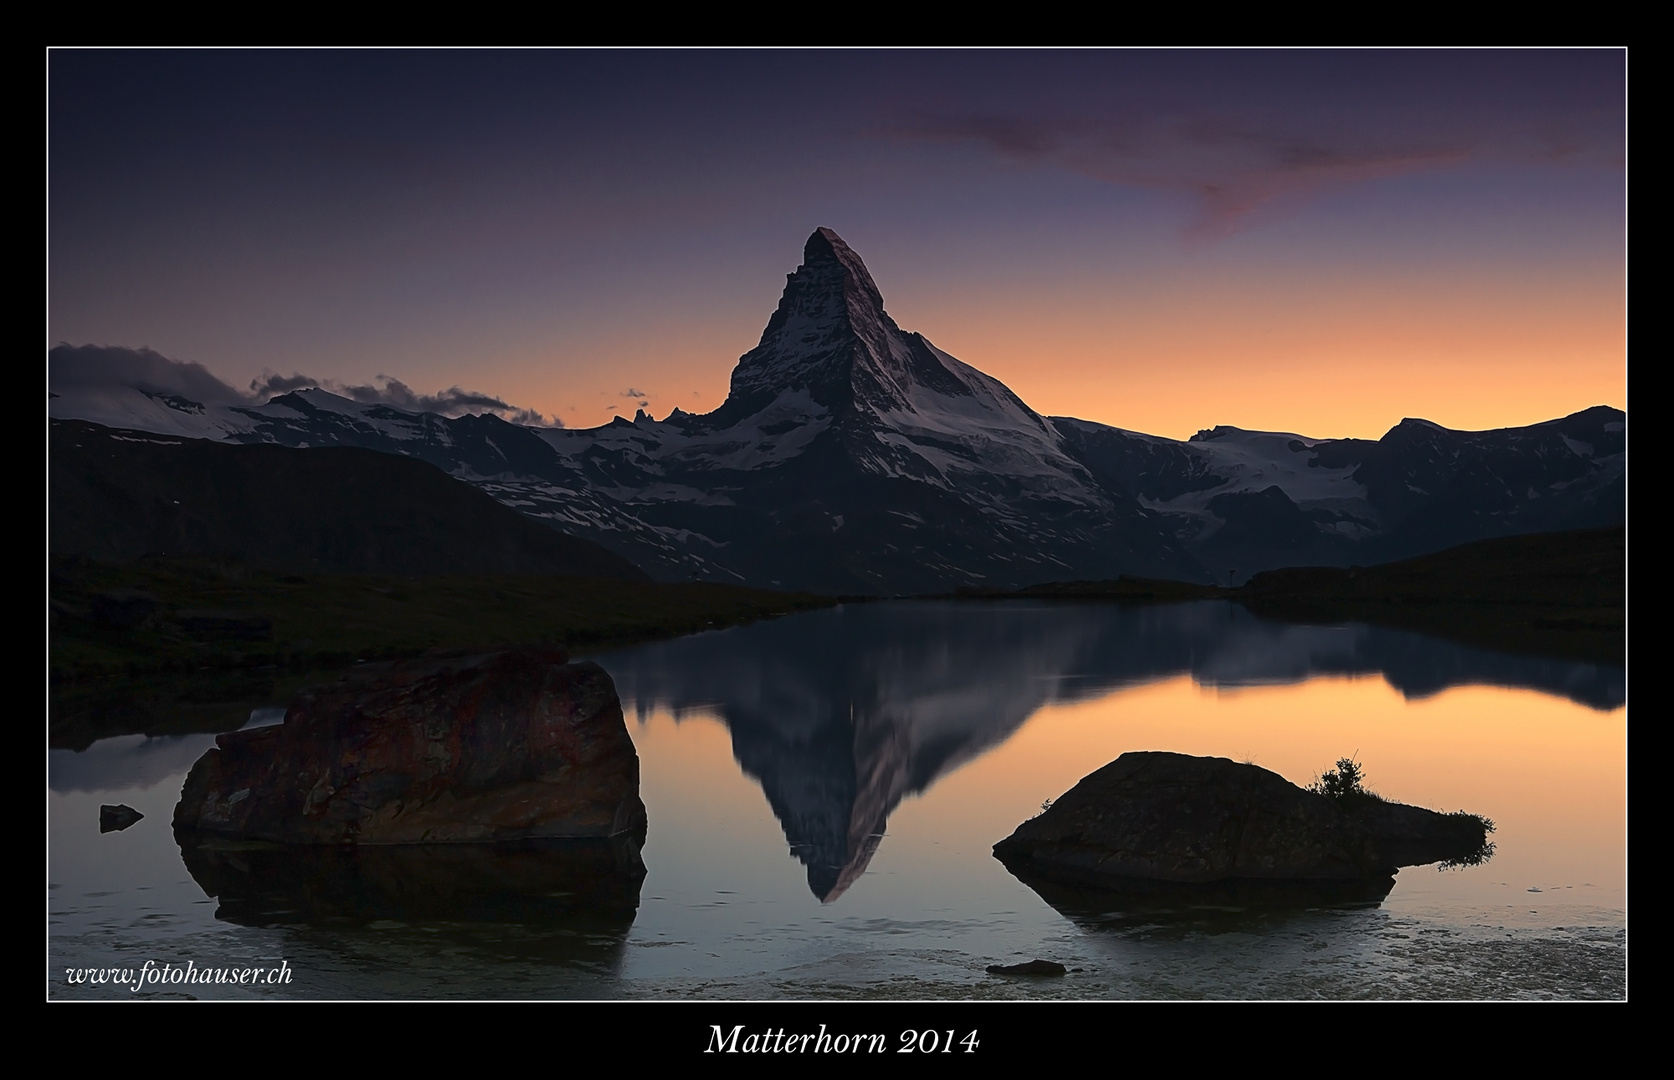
(1346,360)
(1349,360)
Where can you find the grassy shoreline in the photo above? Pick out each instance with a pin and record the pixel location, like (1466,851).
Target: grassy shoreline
(1562,595)
(175,645)
(184,614)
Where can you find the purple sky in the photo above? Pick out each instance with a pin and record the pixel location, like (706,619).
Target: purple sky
(1162,240)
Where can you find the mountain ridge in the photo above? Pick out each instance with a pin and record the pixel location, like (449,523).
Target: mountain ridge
(851,456)
(120,495)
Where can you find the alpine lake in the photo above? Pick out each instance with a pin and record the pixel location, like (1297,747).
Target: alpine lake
(824,792)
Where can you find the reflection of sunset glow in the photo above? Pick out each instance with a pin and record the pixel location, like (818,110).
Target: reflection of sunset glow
(1551,773)
(704,770)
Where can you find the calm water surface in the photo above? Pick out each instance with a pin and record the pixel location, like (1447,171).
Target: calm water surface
(824,791)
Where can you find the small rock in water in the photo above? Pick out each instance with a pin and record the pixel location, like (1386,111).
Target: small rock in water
(116,818)
(1033,967)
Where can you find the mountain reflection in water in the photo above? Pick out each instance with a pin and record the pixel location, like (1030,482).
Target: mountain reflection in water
(841,714)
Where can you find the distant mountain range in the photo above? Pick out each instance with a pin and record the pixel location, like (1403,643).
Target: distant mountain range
(851,456)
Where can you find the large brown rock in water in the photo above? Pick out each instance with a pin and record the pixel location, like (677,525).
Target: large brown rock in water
(511,745)
(1173,819)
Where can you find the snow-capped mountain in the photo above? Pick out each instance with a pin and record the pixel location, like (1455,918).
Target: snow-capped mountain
(853,456)
(1244,501)
(510,462)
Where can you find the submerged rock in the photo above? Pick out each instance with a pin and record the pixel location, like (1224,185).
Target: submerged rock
(1030,967)
(1170,827)
(512,745)
(118,817)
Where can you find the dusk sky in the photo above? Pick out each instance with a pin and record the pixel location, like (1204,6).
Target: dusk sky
(1318,242)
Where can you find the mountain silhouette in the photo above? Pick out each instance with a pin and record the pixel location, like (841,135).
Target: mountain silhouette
(851,456)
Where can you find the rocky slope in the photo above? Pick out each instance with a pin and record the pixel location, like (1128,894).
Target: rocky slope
(117,495)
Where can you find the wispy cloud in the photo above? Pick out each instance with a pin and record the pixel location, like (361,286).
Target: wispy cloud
(386,390)
(143,369)
(1236,171)
(150,371)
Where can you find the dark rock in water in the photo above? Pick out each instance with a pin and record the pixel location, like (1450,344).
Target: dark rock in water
(1169,828)
(513,745)
(528,881)
(1414,836)
(118,817)
(1032,967)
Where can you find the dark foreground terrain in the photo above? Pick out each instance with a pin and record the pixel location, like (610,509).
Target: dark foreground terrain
(170,644)
(120,495)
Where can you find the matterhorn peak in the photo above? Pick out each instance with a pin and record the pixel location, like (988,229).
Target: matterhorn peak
(831,339)
(825,248)
(831,287)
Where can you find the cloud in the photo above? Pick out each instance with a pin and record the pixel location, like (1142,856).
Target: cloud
(272,383)
(145,370)
(387,390)
(1236,170)
(153,373)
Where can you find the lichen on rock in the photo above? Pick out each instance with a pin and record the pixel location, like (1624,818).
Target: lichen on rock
(512,745)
